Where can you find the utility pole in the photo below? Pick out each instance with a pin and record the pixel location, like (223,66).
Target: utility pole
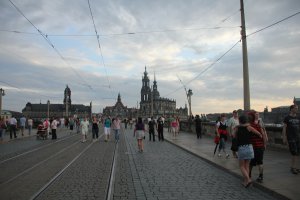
(2,93)
(189,96)
(245,60)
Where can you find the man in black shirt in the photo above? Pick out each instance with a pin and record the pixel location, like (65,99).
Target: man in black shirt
(291,134)
(152,125)
(160,129)
(198,125)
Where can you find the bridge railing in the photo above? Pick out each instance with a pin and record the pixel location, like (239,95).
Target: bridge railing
(208,129)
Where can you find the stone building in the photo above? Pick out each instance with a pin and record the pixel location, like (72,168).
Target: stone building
(152,104)
(120,110)
(67,109)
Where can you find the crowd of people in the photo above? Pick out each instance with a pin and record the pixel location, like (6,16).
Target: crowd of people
(247,134)
(249,140)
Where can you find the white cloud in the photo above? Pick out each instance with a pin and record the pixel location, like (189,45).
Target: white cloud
(29,62)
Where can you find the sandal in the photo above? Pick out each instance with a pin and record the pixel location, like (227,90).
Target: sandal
(248,184)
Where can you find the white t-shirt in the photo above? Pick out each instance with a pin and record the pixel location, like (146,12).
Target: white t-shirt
(85,125)
(54,124)
(232,123)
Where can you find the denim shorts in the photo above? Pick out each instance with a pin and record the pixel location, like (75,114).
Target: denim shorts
(245,152)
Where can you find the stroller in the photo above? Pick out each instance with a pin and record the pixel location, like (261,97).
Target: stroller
(41,132)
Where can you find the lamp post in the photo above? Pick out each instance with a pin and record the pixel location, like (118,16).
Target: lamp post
(189,97)
(2,93)
(48,104)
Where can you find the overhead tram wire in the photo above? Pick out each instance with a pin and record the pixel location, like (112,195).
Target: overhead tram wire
(99,46)
(210,66)
(23,90)
(128,33)
(262,29)
(52,45)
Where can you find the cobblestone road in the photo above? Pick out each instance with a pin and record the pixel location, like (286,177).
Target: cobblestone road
(164,171)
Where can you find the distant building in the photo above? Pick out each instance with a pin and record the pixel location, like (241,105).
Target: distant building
(67,109)
(296,101)
(120,110)
(7,114)
(152,103)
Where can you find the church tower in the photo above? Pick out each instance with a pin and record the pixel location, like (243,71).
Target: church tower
(146,90)
(155,91)
(67,101)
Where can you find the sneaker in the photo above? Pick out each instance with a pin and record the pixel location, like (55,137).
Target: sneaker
(260,179)
(294,171)
(227,155)
(219,155)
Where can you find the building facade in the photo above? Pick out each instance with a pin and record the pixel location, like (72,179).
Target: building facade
(152,104)
(67,109)
(120,110)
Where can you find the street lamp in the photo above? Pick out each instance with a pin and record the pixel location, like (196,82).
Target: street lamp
(2,93)
(189,97)
(189,94)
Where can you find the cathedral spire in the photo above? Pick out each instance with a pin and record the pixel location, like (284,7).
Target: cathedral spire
(119,97)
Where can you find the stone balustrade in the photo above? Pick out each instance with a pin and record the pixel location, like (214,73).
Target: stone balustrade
(208,129)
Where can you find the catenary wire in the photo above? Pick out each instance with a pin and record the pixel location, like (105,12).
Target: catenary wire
(51,44)
(286,18)
(211,65)
(99,45)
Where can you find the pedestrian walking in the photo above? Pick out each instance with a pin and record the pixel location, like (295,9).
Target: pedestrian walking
(95,128)
(22,124)
(54,128)
(177,125)
(152,127)
(290,135)
(173,126)
(84,129)
(245,149)
(77,125)
(198,125)
(13,127)
(221,129)
(116,126)
(232,123)
(160,129)
(2,127)
(107,125)
(71,124)
(139,133)
(258,144)
(29,124)
(46,125)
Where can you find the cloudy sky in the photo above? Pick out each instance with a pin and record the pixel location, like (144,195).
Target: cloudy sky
(176,39)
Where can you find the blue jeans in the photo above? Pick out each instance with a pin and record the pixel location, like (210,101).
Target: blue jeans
(117,134)
(222,145)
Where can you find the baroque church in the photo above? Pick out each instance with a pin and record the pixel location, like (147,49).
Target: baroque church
(120,110)
(152,104)
(67,109)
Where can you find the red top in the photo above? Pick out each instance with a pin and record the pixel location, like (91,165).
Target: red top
(256,141)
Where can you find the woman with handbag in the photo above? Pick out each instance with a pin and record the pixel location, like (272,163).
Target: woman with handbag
(245,149)
(139,133)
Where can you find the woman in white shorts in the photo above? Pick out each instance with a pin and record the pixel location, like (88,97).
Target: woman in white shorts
(139,133)
(84,129)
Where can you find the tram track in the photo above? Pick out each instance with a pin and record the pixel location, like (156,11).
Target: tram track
(62,174)
(42,146)
(102,189)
